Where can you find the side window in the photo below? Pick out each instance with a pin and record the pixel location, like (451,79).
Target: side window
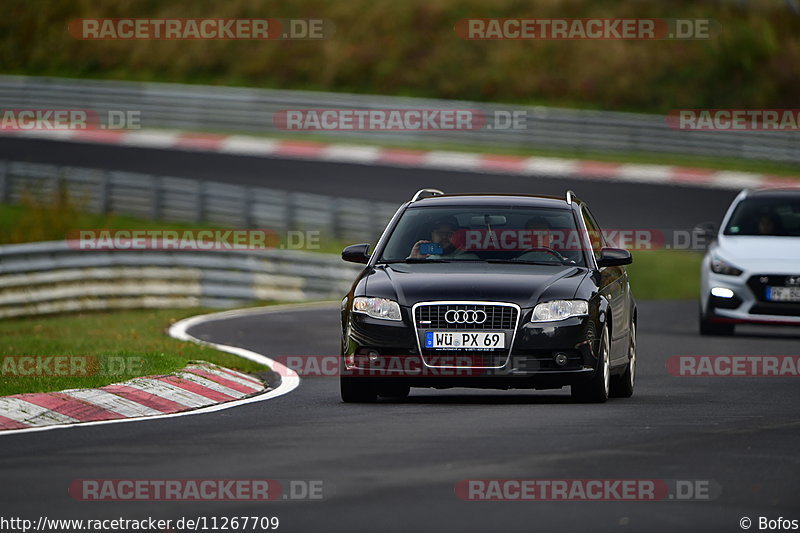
(595,235)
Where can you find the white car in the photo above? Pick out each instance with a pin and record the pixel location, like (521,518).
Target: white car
(751,272)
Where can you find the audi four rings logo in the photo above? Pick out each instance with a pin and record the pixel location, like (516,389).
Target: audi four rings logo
(465,317)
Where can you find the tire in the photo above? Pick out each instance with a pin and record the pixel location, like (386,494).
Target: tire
(714,328)
(622,385)
(394,392)
(596,390)
(357,390)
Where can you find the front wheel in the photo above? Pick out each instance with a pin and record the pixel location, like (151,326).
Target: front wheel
(357,390)
(707,327)
(596,390)
(622,386)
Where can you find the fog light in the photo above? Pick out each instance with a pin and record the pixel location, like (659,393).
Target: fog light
(373,356)
(721,292)
(561,359)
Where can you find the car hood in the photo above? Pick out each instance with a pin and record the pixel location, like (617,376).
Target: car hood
(767,254)
(523,285)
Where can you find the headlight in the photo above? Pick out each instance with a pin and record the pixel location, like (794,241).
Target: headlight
(559,310)
(719,266)
(377,308)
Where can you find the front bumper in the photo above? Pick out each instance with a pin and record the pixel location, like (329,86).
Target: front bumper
(381,350)
(749,305)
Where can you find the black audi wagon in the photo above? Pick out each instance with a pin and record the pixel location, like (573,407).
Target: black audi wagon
(490,291)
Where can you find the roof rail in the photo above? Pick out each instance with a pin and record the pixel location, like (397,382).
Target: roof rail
(433,192)
(570,195)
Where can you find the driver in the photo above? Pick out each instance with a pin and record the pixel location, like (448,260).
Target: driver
(442,232)
(768,224)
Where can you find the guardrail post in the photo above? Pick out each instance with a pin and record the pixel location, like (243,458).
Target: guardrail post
(291,211)
(247,207)
(103,193)
(157,191)
(200,204)
(336,226)
(5,179)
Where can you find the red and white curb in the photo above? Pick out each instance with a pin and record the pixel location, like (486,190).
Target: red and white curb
(197,389)
(197,385)
(427,159)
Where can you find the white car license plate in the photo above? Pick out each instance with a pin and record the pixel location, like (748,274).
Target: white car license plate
(783,294)
(465,340)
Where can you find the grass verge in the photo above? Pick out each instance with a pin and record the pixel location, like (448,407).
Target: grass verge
(665,275)
(124,344)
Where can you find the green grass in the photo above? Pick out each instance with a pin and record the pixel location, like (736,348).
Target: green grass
(58,220)
(410,48)
(665,275)
(126,344)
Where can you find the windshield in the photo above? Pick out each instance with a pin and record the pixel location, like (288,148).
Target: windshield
(769,216)
(512,234)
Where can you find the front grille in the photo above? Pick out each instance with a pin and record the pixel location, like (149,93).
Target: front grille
(497,316)
(759,283)
(503,318)
(776,309)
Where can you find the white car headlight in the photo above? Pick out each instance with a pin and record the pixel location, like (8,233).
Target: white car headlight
(720,266)
(377,308)
(559,310)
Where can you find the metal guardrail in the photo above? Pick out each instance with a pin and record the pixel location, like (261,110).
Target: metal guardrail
(182,199)
(53,277)
(226,109)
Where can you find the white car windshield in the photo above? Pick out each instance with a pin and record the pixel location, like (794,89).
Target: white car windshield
(777,216)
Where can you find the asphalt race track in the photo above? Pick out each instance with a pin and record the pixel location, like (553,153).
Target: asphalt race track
(393,466)
(616,205)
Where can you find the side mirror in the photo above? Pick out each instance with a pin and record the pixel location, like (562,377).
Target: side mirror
(610,257)
(708,230)
(357,253)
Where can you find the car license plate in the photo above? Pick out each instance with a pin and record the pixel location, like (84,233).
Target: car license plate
(783,294)
(465,340)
